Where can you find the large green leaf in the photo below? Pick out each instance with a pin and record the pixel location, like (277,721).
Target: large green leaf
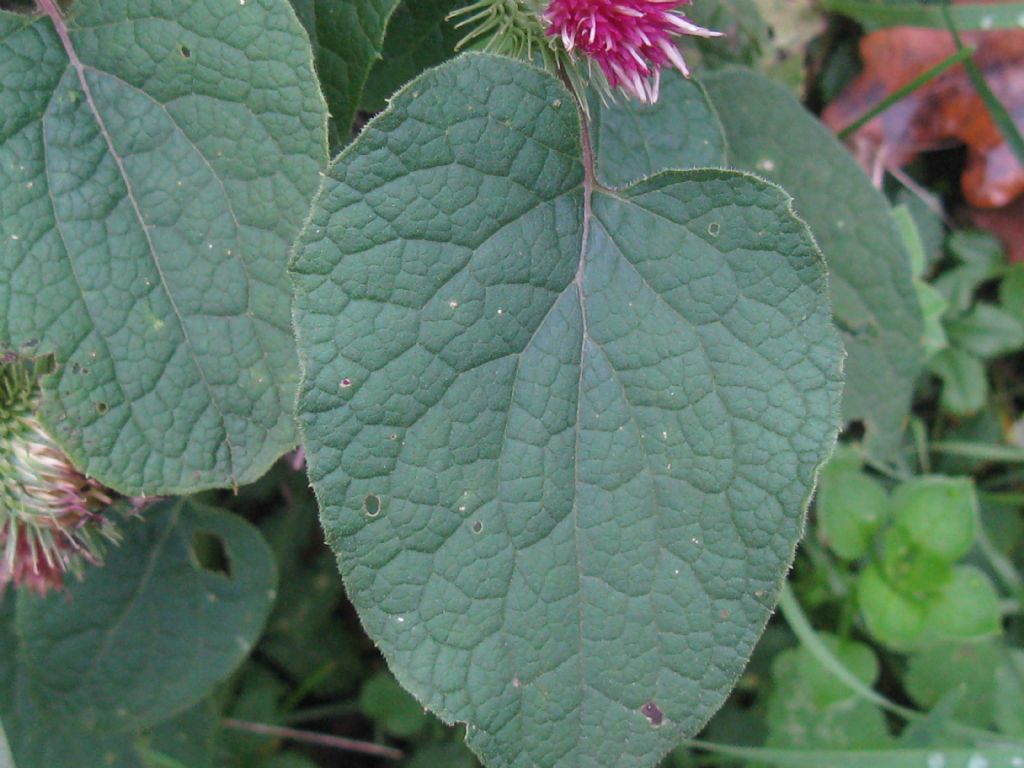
(562,437)
(190,739)
(151,632)
(633,140)
(347,37)
(36,738)
(419,36)
(48,742)
(875,302)
(157,159)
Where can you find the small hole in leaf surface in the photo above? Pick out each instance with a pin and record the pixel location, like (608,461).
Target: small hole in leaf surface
(371,505)
(186,53)
(210,554)
(714,228)
(101,408)
(653,713)
(478,527)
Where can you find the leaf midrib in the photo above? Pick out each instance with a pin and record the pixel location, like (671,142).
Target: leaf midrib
(50,8)
(589,177)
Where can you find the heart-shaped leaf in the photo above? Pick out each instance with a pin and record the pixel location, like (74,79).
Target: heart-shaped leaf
(562,435)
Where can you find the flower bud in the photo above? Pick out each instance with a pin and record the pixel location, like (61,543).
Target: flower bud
(52,517)
(630,40)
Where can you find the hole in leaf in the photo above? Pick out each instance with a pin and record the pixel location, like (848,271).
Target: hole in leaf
(478,527)
(186,53)
(371,505)
(210,554)
(653,713)
(857,429)
(714,228)
(101,408)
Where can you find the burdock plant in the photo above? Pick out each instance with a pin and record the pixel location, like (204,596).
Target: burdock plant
(52,517)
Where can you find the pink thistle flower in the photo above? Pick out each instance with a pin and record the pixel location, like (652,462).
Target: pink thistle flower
(52,517)
(631,40)
(33,564)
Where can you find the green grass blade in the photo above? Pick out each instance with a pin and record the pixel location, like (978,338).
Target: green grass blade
(802,628)
(996,757)
(1000,116)
(1009,454)
(980,16)
(961,55)
(955,19)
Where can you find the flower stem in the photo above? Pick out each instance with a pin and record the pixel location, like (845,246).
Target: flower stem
(313,737)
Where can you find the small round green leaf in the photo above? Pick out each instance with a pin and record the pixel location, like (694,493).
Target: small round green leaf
(964,382)
(968,669)
(851,507)
(857,658)
(808,707)
(967,608)
(916,572)
(938,513)
(892,617)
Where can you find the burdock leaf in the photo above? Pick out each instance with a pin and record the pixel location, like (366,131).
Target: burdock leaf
(562,436)
(157,159)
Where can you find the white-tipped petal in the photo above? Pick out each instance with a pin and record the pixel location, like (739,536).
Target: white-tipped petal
(675,57)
